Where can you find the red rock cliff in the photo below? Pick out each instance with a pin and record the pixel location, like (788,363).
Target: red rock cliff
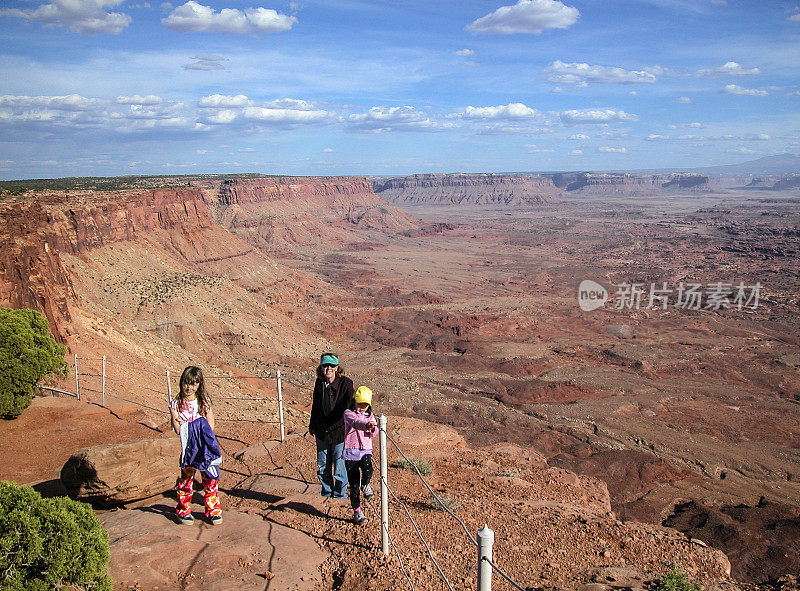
(280,212)
(34,233)
(468,189)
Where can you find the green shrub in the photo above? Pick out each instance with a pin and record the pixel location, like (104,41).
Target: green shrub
(50,543)
(450,502)
(423,466)
(676,580)
(27,353)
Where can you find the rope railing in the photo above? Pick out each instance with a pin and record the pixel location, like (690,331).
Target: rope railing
(159,410)
(394,547)
(485,535)
(171,377)
(485,564)
(502,574)
(301,386)
(421,537)
(139,369)
(435,496)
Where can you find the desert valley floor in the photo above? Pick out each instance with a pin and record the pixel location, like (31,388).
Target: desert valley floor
(468,317)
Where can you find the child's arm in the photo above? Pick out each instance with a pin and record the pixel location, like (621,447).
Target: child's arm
(357,420)
(175,420)
(210,416)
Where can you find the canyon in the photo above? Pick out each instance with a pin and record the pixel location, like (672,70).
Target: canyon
(455,297)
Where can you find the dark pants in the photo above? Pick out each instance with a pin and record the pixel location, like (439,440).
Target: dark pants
(359,473)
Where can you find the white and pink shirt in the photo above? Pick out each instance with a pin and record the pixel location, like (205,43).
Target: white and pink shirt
(188,411)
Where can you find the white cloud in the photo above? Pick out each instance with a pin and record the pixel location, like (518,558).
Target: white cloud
(194,17)
(223,101)
(70,102)
(576,152)
(285,116)
(205,66)
(727,69)
(695,125)
(612,150)
(795,18)
(738,90)
(384,119)
(509,111)
(742,150)
(81,16)
(534,149)
(655,137)
(596,116)
(290,103)
(577,73)
(327,150)
(464,52)
(220,117)
(683,100)
(136,99)
(526,16)
(206,62)
(578,136)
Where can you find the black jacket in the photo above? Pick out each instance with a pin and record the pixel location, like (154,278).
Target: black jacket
(328,423)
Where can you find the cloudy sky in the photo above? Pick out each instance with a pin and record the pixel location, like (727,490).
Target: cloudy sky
(326,87)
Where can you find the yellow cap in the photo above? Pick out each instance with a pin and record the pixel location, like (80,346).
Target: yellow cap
(363,394)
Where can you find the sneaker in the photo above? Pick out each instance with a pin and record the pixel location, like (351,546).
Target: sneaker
(186,520)
(359,517)
(367,490)
(216,519)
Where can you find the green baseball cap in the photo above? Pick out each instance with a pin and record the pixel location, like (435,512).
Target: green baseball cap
(329,359)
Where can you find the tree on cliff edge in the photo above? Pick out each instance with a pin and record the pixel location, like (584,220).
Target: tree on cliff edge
(27,353)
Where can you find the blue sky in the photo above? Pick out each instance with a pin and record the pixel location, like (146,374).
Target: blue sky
(328,87)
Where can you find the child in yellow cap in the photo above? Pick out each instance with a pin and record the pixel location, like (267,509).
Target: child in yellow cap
(360,425)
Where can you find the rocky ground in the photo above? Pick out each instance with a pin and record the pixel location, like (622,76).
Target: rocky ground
(552,527)
(469,320)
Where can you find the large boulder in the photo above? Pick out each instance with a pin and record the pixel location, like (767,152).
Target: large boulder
(122,472)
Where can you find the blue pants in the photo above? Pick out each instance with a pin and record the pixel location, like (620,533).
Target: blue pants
(331,470)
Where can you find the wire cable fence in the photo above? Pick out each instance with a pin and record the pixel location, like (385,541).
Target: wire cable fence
(485,535)
(96,371)
(170,378)
(368,506)
(430,490)
(421,537)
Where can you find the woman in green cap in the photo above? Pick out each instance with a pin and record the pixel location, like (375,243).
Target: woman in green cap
(332,394)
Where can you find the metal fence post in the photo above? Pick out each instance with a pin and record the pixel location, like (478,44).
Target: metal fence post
(485,543)
(384,487)
(104,380)
(280,406)
(77,386)
(169,391)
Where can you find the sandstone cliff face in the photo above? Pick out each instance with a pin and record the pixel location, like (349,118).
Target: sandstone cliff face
(468,189)
(630,184)
(31,273)
(281,212)
(192,225)
(36,232)
(529,189)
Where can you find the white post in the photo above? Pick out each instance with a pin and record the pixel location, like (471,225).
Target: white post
(485,543)
(169,391)
(77,385)
(384,487)
(280,406)
(104,380)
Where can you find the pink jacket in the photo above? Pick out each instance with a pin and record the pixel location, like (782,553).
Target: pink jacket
(357,435)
